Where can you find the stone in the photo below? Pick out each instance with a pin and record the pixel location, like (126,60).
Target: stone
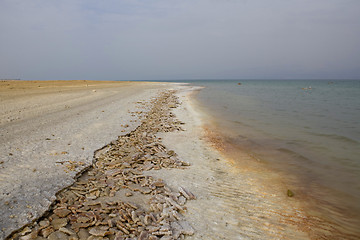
(290,193)
(99,232)
(83,234)
(67,231)
(62,212)
(44,223)
(58,236)
(47,231)
(59,222)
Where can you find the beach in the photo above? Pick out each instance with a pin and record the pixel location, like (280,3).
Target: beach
(49,133)
(117,160)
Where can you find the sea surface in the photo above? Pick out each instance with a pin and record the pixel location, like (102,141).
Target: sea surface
(307,129)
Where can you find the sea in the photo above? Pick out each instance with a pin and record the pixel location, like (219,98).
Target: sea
(306,130)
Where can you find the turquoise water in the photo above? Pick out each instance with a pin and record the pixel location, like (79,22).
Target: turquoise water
(311,134)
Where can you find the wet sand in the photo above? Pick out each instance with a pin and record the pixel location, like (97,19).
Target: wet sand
(232,202)
(253,196)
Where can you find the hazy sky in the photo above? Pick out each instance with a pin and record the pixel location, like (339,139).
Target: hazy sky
(185,39)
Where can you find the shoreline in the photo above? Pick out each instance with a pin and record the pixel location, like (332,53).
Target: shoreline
(232,200)
(300,210)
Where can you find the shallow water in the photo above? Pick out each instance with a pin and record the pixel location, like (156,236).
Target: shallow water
(312,136)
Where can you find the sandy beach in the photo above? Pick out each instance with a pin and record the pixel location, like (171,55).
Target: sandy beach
(49,133)
(105,160)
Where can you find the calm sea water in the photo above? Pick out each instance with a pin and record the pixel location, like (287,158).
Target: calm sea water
(306,130)
(309,129)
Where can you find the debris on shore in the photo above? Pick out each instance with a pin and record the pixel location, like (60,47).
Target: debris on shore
(115,198)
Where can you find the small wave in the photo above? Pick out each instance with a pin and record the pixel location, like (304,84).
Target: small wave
(241,123)
(335,137)
(294,154)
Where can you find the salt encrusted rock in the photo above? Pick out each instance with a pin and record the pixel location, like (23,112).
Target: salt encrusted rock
(188,195)
(44,223)
(30,236)
(83,234)
(59,222)
(58,236)
(25,231)
(62,212)
(47,231)
(143,235)
(100,232)
(119,236)
(67,231)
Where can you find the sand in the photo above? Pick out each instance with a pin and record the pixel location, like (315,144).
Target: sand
(45,125)
(232,201)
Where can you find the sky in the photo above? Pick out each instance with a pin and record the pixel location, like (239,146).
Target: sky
(179,39)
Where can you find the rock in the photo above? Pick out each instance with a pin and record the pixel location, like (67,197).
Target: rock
(30,236)
(99,232)
(67,231)
(44,223)
(25,231)
(62,212)
(59,222)
(119,236)
(47,231)
(73,237)
(290,193)
(83,234)
(184,193)
(143,235)
(58,236)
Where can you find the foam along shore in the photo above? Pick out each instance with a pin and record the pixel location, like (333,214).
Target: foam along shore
(49,131)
